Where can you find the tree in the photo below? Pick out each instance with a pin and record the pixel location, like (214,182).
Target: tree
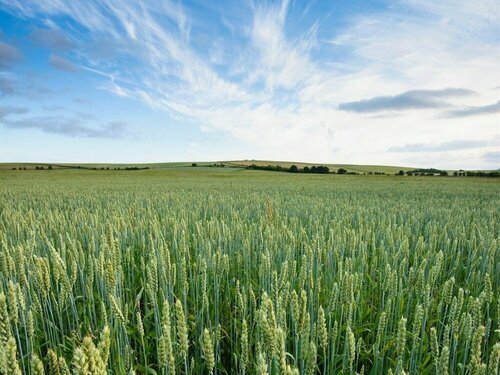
(443,173)
(401,173)
(306,169)
(341,171)
(294,169)
(194,165)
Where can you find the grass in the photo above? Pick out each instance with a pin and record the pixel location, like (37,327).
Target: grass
(232,271)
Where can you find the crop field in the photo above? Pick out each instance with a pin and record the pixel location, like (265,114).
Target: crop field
(232,271)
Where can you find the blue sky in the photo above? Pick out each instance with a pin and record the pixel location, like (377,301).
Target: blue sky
(408,82)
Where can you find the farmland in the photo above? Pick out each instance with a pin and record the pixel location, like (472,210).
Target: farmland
(232,163)
(230,271)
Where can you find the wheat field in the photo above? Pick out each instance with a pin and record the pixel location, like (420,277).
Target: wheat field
(247,272)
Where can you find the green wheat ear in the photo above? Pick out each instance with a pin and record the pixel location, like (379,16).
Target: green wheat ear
(208,350)
(182,330)
(11,362)
(37,366)
(5,331)
(261,367)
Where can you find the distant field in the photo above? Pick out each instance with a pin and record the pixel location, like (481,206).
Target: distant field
(198,270)
(361,169)
(234,163)
(95,165)
(349,167)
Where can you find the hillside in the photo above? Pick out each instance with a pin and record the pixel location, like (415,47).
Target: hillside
(356,168)
(333,167)
(232,163)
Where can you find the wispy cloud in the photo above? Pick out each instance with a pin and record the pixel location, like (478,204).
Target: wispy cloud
(9,55)
(74,125)
(474,111)
(7,111)
(71,127)
(281,62)
(409,100)
(439,147)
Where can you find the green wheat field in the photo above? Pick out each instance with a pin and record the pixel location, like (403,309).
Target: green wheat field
(232,271)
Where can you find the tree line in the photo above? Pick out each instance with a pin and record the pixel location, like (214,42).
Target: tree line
(438,172)
(320,169)
(49,167)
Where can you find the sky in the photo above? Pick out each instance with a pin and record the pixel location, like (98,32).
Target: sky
(404,82)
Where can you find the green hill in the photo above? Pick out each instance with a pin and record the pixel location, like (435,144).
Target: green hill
(333,167)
